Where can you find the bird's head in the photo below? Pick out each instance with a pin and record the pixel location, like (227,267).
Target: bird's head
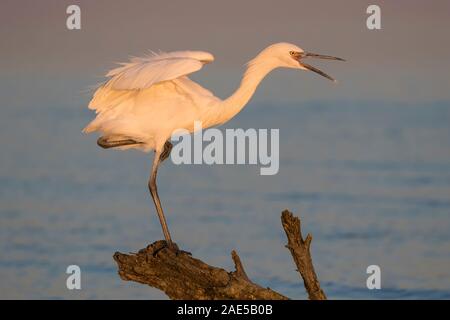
(291,56)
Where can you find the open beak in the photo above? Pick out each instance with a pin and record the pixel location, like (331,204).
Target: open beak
(305,55)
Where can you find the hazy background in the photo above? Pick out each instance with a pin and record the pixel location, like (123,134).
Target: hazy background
(365,163)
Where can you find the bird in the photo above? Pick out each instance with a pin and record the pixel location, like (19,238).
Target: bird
(145,100)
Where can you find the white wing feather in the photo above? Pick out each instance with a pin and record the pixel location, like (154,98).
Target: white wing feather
(142,73)
(145,83)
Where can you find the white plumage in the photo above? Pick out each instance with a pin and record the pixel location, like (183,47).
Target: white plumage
(142,73)
(141,97)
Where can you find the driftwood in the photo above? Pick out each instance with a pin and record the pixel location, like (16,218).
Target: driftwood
(300,251)
(181,276)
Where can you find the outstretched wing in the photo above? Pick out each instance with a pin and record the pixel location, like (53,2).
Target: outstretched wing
(142,73)
(118,94)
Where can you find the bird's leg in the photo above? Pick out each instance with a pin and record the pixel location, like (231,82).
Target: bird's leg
(165,153)
(154,193)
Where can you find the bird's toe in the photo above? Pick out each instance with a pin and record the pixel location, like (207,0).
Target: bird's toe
(173,247)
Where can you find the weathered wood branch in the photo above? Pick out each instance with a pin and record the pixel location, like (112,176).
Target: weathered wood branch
(181,276)
(300,251)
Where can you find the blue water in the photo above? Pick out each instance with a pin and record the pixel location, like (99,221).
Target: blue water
(371,182)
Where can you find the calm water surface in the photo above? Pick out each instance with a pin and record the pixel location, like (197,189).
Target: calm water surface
(371,182)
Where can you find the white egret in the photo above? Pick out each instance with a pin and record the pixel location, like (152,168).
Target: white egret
(147,99)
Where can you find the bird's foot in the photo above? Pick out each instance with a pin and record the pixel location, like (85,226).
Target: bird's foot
(172,247)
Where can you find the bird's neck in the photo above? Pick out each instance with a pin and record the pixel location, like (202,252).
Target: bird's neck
(257,69)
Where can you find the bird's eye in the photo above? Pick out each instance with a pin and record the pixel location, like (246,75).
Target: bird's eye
(292,53)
